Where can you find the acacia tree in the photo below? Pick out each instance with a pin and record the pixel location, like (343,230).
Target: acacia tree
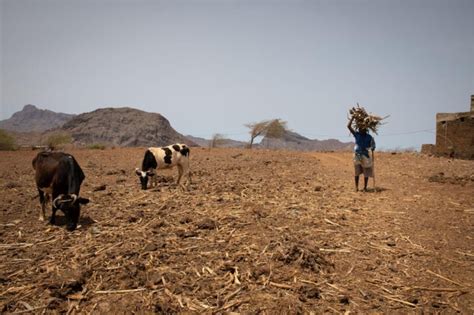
(274,128)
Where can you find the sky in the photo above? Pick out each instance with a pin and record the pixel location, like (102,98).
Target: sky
(211,66)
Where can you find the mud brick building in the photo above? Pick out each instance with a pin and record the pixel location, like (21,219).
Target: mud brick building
(455,134)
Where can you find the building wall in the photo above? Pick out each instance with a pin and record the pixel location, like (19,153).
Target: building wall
(428,149)
(455,134)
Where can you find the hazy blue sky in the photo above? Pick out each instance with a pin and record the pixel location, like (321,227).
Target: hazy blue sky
(212,66)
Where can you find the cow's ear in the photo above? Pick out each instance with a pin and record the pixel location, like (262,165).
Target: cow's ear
(137,171)
(83,201)
(150,173)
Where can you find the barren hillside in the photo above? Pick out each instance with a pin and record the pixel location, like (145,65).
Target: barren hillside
(123,127)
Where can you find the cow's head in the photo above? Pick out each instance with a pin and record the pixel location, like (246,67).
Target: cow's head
(143,177)
(71,206)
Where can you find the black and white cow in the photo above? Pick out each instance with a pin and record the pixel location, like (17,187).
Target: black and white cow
(58,174)
(165,157)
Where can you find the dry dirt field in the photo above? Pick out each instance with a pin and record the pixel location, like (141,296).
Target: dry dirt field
(266,232)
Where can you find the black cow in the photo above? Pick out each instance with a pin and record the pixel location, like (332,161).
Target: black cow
(59,175)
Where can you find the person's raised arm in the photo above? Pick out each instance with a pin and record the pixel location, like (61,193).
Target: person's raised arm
(349,125)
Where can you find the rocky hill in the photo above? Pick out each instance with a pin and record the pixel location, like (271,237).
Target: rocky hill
(33,119)
(294,141)
(123,127)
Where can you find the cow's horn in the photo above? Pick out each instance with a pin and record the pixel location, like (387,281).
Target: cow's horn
(74,198)
(57,200)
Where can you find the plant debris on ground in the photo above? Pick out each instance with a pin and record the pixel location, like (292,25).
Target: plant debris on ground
(259,231)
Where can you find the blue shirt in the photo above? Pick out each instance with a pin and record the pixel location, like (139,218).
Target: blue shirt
(363,143)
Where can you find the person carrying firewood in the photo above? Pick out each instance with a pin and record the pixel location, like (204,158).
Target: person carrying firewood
(363,162)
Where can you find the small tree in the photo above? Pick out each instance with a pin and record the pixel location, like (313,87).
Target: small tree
(216,140)
(58,140)
(256,130)
(7,142)
(274,128)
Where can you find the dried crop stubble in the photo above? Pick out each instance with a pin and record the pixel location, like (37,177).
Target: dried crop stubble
(266,231)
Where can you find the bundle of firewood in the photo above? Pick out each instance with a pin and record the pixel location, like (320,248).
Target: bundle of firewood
(364,120)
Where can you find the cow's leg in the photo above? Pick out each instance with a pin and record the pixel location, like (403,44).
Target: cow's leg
(43,205)
(52,220)
(154,179)
(180,174)
(187,173)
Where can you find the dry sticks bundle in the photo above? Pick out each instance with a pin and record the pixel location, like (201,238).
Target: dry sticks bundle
(363,120)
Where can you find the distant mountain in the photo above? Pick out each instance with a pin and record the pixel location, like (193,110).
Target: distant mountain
(199,141)
(33,119)
(224,143)
(294,141)
(132,127)
(289,141)
(123,127)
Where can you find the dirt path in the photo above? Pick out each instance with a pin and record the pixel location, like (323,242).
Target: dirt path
(259,232)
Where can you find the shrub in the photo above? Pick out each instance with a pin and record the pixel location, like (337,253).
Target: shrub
(58,140)
(96,146)
(7,142)
(217,140)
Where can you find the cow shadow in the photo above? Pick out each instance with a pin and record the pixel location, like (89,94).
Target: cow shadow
(84,221)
